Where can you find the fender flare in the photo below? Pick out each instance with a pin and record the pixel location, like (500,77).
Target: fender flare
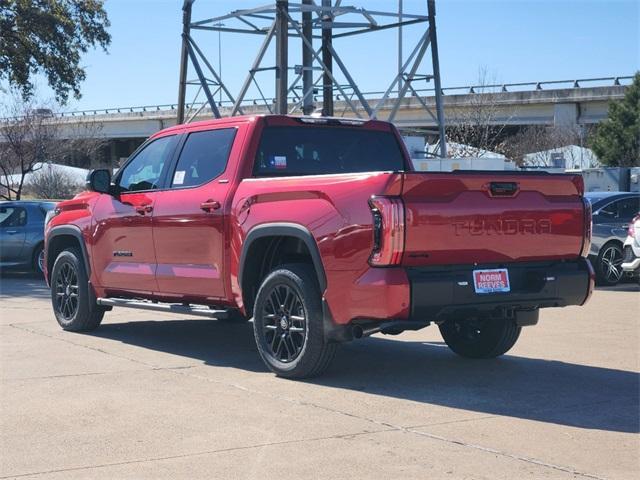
(70,230)
(284,230)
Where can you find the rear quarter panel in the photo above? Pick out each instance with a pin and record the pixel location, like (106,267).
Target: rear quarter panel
(335,210)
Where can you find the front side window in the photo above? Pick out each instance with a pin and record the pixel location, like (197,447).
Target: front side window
(144,172)
(11,217)
(285,151)
(203,157)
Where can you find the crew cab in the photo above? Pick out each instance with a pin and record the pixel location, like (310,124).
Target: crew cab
(320,231)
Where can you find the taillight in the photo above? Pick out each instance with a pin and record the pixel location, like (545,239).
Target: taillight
(586,242)
(388,231)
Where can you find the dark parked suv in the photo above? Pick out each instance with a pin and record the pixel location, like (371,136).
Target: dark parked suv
(22,234)
(612,212)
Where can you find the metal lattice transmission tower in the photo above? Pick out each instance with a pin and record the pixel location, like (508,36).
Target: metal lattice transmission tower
(320,21)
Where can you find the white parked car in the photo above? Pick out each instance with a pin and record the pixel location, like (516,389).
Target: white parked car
(631,250)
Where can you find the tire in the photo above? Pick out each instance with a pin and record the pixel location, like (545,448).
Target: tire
(37,261)
(480,338)
(73,306)
(291,340)
(608,264)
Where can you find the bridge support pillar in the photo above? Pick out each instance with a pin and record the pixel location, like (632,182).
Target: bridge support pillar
(566,115)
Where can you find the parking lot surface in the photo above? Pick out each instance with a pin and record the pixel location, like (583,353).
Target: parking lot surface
(151,395)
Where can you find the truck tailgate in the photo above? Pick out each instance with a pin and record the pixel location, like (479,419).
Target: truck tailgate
(458,218)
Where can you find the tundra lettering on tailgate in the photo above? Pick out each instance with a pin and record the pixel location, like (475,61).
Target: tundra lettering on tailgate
(503,227)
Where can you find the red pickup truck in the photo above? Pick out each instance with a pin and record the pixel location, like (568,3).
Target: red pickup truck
(319,230)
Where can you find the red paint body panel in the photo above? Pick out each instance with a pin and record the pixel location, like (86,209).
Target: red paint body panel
(183,253)
(119,227)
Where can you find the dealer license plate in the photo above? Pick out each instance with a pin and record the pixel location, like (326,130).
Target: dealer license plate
(491,281)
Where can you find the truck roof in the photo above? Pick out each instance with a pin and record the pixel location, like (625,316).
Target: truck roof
(250,118)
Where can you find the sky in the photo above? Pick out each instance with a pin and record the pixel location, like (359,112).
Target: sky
(511,40)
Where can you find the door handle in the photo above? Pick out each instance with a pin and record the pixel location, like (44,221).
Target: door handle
(142,209)
(12,232)
(210,205)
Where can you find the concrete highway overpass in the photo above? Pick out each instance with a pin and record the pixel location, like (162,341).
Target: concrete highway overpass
(538,105)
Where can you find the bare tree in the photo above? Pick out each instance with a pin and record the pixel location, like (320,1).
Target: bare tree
(32,135)
(26,140)
(527,141)
(477,128)
(52,183)
(537,146)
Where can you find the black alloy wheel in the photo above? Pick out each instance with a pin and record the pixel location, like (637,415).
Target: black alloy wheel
(288,323)
(284,324)
(73,302)
(66,290)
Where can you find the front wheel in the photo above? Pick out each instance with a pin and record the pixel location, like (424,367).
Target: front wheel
(73,307)
(480,337)
(609,264)
(288,324)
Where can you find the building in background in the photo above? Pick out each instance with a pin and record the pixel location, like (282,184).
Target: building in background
(571,157)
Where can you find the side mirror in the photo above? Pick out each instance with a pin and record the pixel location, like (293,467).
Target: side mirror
(99,181)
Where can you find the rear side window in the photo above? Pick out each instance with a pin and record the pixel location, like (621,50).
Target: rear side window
(13,217)
(203,157)
(623,210)
(285,151)
(628,208)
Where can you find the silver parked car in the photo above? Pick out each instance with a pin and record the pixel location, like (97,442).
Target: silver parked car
(22,234)
(612,212)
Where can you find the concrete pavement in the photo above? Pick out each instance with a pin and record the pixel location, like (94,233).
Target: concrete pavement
(150,395)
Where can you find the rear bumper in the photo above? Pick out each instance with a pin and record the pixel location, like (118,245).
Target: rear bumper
(443,292)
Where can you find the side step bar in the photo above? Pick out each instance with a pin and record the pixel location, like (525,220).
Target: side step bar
(200,311)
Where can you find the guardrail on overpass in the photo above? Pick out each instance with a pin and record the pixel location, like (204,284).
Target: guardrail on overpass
(461,90)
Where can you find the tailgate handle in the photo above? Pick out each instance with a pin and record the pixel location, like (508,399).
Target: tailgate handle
(503,189)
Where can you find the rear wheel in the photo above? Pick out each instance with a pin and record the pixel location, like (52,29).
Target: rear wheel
(480,337)
(609,264)
(37,263)
(288,324)
(73,306)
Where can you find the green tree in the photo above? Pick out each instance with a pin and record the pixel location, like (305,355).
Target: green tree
(616,141)
(48,37)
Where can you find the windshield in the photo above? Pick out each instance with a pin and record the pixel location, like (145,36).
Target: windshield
(286,151)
